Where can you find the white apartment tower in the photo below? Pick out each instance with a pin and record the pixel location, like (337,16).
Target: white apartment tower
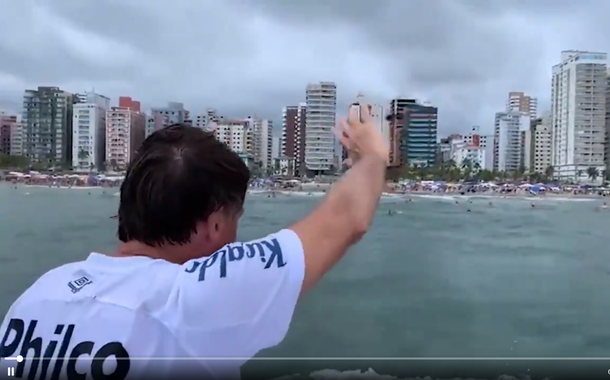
(607,145)
(578,108)
(238,135)
(263,133)
(538,146)
(89,131)
(508,142)
(518,101)
(321,99)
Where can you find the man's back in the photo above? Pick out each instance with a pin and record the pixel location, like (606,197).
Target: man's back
(128,316)
(135,313)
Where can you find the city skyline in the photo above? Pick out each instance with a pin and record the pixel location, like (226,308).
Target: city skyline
(464,66)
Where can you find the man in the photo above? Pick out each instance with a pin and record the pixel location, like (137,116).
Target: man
(178,286)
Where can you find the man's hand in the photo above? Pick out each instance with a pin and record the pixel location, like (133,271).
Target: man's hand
(346,213)
(360,136)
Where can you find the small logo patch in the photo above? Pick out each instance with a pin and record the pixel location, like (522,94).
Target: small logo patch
(78,284)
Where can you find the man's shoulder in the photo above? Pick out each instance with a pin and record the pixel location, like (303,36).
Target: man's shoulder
(53,278)
(125,284)
(269,252)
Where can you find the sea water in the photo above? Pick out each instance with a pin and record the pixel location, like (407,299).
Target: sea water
(433,280)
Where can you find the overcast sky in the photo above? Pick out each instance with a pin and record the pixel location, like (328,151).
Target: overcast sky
(252,57)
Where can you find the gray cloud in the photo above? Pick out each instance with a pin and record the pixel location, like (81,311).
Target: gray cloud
(254,57)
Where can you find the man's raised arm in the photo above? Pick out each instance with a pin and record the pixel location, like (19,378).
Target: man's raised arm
(242,298)
(346,213)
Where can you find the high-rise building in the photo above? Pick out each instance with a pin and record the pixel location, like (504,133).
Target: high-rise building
(396,122)
(276,147)
(173,113)
(538,146)
(294,134)
(486,142)
(208,120)
(16,139)
(578,112)
(508,143)
(418,134)
(607,127)
(89,131)
(125,132)
(47,125)
(156,121)
(518,101)
(321,99)
(128,102)
(475,147)
(238,135)
(474,137)
(7,123)
(263,142)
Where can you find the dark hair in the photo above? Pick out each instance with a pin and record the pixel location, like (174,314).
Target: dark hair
(179,176)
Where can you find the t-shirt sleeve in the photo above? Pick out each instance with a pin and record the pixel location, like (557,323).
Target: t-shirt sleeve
(240,300)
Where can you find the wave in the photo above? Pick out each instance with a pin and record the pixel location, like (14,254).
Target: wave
(333,374)
(65,187)
(562,199)
(455,197)
(451,198)
(251,191)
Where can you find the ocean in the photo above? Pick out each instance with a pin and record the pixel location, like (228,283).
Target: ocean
(431,281)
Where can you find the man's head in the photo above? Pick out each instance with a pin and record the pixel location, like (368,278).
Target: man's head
(182,188)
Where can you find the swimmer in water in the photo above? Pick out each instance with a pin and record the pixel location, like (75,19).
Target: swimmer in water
(490,204)
(468,210)
(390,212)
(457,203)
(114,217)
(533,205)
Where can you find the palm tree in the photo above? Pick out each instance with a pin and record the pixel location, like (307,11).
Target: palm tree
(592,173)
(421,171)
(276,166)
(290,168)
(466,168)
(82,155)
(476,167)
(549,171)
(451,164)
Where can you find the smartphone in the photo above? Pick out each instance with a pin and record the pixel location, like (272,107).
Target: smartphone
(358,106)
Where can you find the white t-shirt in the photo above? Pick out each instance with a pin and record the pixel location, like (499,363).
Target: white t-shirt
(206,317)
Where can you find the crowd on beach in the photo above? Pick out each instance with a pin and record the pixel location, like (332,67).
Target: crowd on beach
(321,185)
(34,178)
(440,187)
(502,189)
